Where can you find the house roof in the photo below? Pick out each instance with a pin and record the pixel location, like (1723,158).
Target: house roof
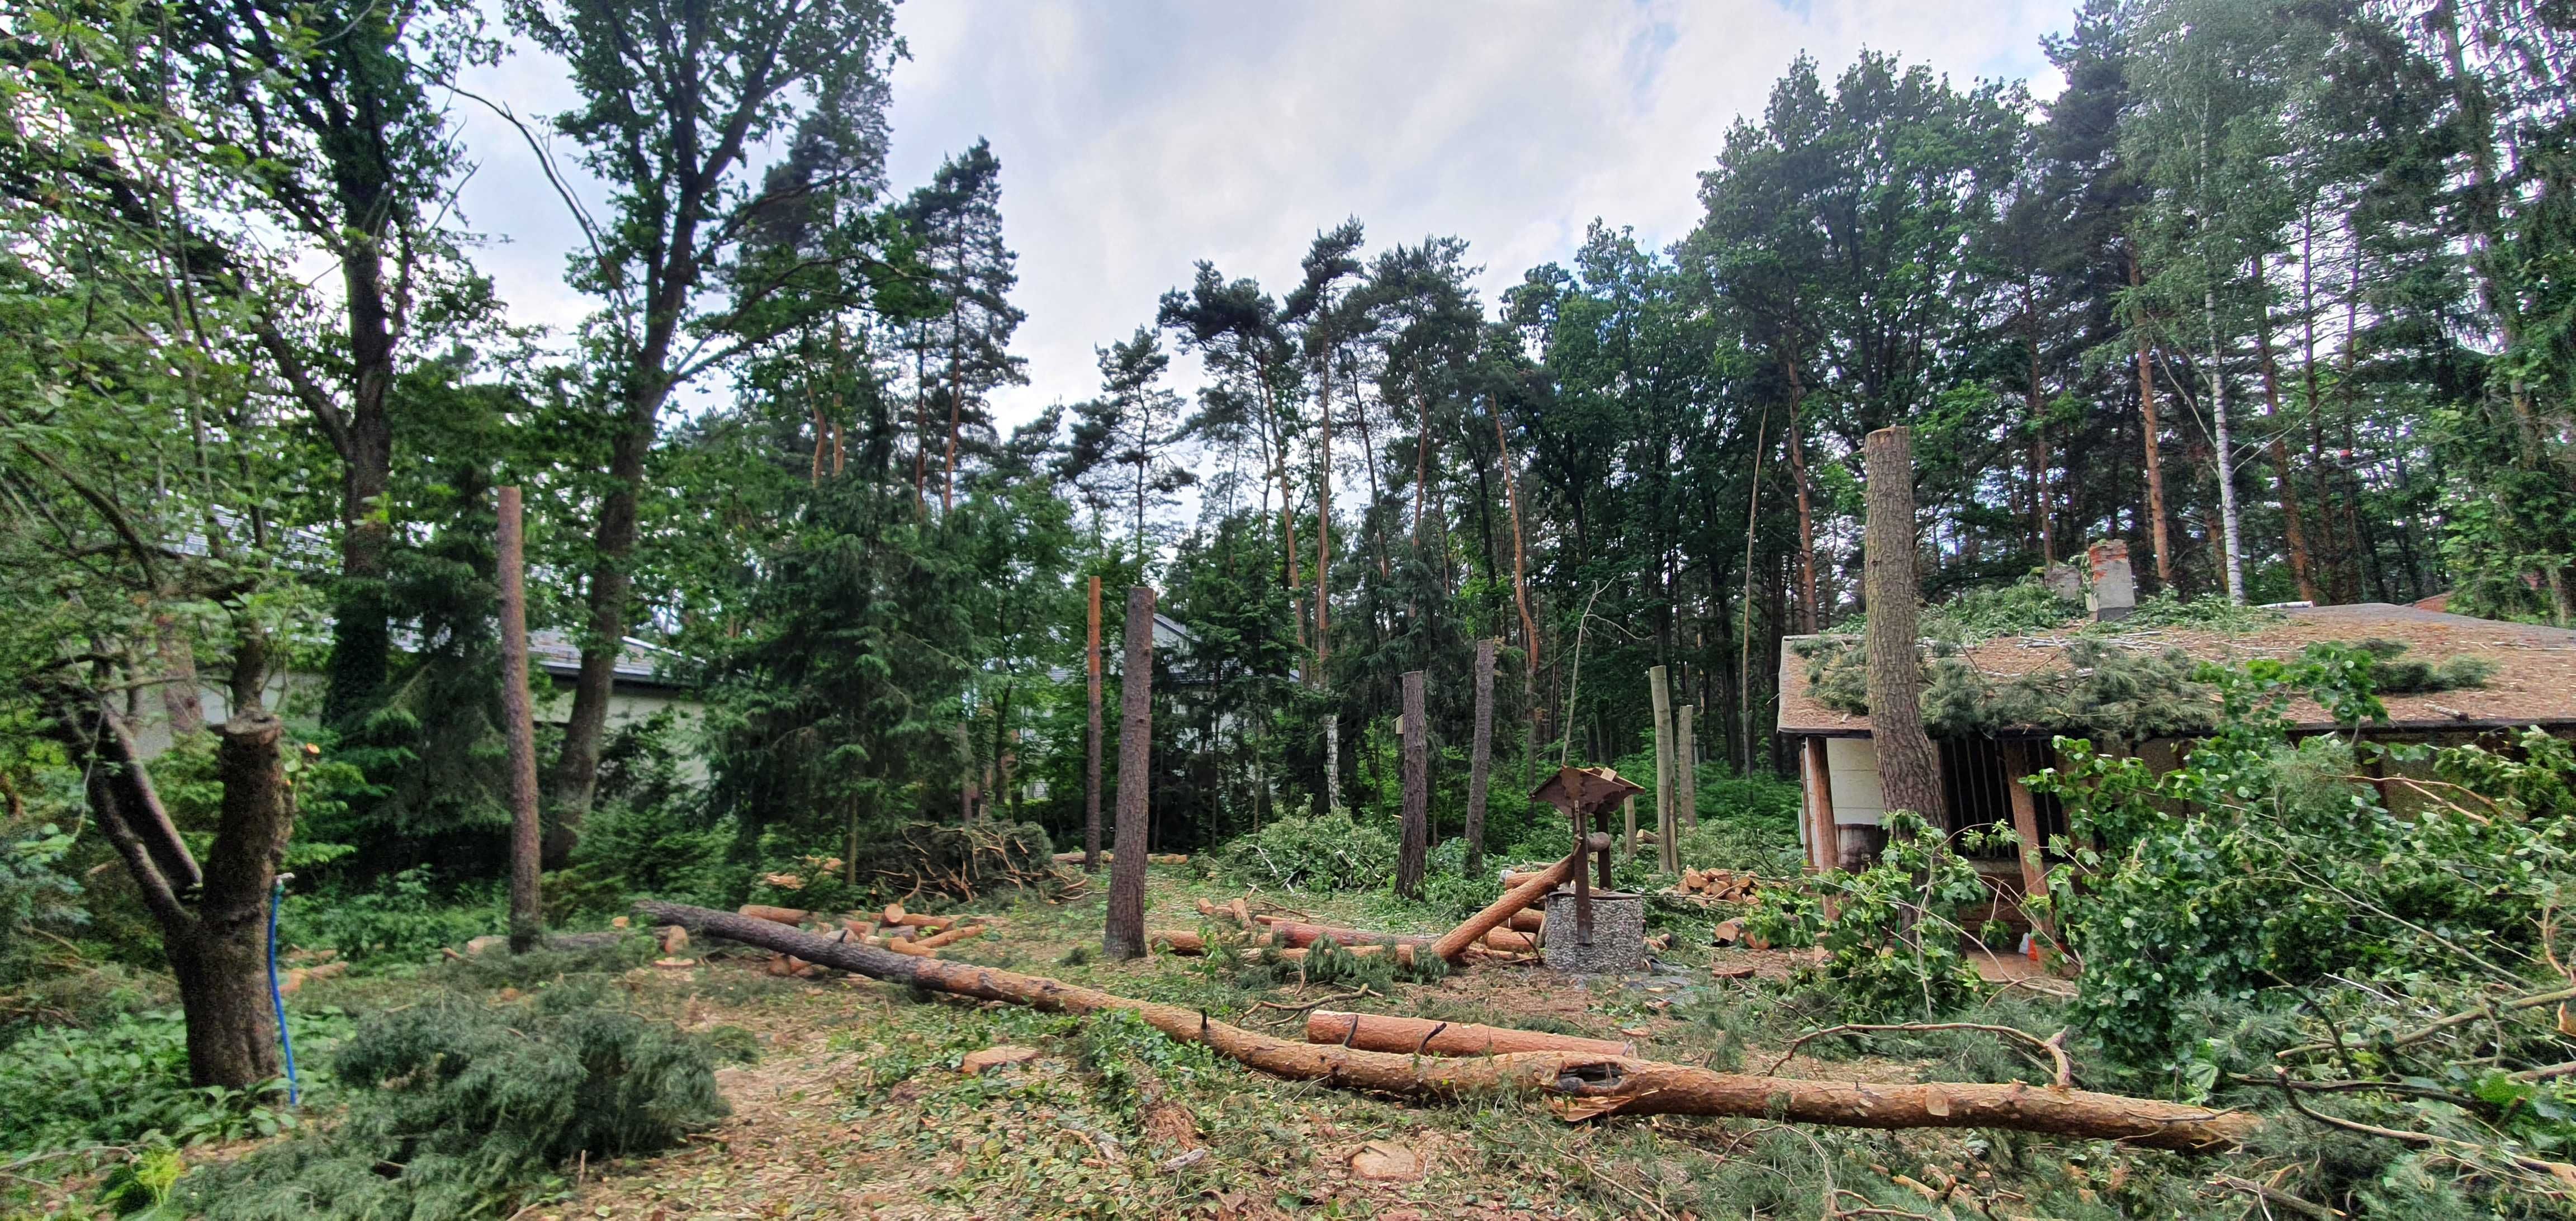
(2534,682)
(638,662)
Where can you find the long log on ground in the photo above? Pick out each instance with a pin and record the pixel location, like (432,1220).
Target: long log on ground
(1526,920)
(775,915)
(1111,855)
(1422,1036)
(1176,941)
(1291,933)
(1579,1085)
(1518,897)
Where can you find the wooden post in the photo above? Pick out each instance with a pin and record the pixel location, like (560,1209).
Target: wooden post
(2025,815)
(1480,756)
(519,726)
(1824,851)
(1630,805)
(1413,854)
(1909,769)
(1091,764)
(1125,936)
(1667,853)
(1687,742)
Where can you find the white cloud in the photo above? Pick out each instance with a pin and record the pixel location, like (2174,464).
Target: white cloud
(1136,138)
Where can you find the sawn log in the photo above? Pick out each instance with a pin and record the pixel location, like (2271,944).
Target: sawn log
(1578,1085)
(1422,1036)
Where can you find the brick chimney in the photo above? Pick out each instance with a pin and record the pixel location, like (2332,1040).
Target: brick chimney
(2113,591)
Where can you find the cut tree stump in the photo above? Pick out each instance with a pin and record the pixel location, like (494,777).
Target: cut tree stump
(1580,1086)
(1421,1036)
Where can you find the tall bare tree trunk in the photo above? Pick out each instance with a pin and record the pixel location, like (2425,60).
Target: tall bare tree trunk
(1686,770)
(1667,851)
(1520,603)
(1091,755)
(1125,936)
(2231,523)
(1413,852)
(1807,611)
(2039,507)
(1909,769)
(1480,755)
(2279,447)
(956,412)
(518,727)
(2156,530)
(1324,538)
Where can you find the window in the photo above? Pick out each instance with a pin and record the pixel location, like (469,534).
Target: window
(1976,785)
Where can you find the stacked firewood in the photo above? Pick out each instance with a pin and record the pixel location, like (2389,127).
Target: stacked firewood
(1717,885)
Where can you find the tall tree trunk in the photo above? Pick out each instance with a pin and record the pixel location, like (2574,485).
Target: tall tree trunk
(1091,754)
(518,726)
(2292,526)
(1413,852)
(2156,528)
(1686,766)
(1521,603)
(1909,769)
(2230,521)
(1480,755)
(1667,850)
(1324,544)
(576,772)
(361,632)
(2039,506)
(2325,549)
(920,435)
(1807,610)
(956,413)
(1125,935)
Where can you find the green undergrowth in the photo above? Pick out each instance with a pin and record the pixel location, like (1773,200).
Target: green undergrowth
(456,1106)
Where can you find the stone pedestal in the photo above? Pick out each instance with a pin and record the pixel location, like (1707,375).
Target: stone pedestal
(1618,934)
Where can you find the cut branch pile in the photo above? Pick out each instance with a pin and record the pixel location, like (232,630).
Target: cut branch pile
(1578,1085)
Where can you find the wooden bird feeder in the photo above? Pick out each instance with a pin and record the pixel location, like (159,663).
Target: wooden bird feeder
(1586,794)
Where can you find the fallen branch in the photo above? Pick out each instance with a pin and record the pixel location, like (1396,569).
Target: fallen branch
(1579,1086)
(2274,1195)
(1382,1032)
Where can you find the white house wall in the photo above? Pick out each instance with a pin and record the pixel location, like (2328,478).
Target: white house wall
(1851,768)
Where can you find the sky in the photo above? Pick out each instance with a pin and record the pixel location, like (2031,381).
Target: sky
(1137,137)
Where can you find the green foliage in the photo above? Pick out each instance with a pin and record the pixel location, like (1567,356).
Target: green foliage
(401,918)
(1326,853)
(455,1106)
(1892,952)
(125,1081)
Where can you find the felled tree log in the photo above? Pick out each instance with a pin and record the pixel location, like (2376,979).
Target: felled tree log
(1518,897)
(1290,933)
(1412,1036)
(932,943)
(1579,1085)
(775,915)
(1111,855)
(1526,920)
(1176,941)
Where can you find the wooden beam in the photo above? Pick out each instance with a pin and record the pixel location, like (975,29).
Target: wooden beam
(2025,816)
(1823,841)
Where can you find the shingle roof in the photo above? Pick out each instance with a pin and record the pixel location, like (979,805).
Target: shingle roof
(2534,683)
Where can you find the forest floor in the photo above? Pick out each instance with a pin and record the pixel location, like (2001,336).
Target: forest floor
(856,1105)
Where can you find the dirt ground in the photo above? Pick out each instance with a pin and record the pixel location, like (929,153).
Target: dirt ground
(860,1104)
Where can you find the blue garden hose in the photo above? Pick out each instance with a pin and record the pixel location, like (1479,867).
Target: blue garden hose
(277,896)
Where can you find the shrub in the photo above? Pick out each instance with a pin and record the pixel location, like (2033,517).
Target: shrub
(1892,953)
(458,1106)
(1330,852)
(401,917)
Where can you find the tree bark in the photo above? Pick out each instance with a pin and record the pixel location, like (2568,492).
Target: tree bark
(1909,769)
(1424,1037)
(1091,755)
(1667,852)
(1806,510)
(1324,546)
(518,722)
(1578,1085)
(2292,526)
(1454,943)
(2156,530)
(1480,756)
(181,703)
(1125,936)
(1686,766)
(217,955)
(1413,853)
(2040,516)
(2231,523)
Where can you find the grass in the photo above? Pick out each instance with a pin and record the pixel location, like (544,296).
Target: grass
(852,1105)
